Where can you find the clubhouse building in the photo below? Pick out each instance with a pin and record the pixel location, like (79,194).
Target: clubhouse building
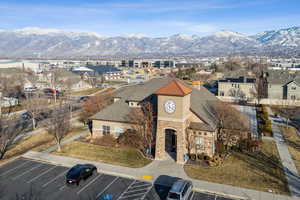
(180,110)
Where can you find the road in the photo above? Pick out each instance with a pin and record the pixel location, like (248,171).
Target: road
(25,125)
(45,181)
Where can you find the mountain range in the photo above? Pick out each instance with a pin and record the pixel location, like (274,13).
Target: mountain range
(47,43)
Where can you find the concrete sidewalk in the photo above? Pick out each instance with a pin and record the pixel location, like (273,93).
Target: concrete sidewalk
(290,169)
(156,169)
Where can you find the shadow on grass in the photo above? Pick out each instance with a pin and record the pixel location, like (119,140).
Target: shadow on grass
(268,164)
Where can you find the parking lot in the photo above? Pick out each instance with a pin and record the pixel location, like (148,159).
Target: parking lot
(28,179)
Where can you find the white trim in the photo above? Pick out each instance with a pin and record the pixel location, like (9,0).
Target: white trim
(173,119)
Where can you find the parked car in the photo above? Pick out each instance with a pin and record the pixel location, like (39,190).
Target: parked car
(181,190)
(30,89)
(79,172)
(83,98)
(26,116)
(50,91)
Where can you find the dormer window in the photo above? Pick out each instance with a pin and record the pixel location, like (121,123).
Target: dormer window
(133,104)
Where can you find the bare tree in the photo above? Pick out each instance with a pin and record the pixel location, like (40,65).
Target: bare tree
(8,135)
(34,107)
(190,140)
(260,89)
(142,121)
(95,104)
(232,125)
(237,93)
(288,111)
(59,124)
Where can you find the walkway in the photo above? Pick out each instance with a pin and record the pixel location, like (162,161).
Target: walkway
(250,111)
(159,168)
(289,167)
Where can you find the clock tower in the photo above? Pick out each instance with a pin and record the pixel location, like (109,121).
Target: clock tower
(172,113)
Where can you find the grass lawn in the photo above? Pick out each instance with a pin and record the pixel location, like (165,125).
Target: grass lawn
(260,171)
(293,141)
(37,142)
(75,130)
(86,92)
(112,155)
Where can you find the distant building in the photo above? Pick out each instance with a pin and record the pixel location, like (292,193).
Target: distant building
(241,87)
(108,72)
(283,85)
(280,85)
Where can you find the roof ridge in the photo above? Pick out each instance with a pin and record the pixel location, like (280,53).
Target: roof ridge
(179,85)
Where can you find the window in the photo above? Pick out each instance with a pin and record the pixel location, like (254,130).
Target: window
(293,88)
(293,97)
(221,93)
(106,130)
(118,131)
(185,189)
(199,143)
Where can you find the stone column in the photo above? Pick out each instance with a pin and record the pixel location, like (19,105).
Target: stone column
(160,142)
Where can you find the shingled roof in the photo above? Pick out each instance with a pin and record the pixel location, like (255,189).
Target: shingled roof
(202,101)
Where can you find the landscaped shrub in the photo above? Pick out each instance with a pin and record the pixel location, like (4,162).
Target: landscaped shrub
(131,139)
(106,140)
(215,161)
(201,156)
(206,157)
(193,156)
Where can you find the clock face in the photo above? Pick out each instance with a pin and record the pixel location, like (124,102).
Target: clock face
(170,106)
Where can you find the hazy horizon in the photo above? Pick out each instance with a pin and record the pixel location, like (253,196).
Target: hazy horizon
(156,18)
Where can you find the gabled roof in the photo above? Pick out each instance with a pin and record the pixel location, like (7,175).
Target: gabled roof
(174,88)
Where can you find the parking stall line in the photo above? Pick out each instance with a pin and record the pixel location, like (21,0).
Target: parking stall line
(192,195)
(147,192)
(3,174)
(99,175)
(62,187)
(137,190)
(141,186)
(133,195)
(45,172)
(54,178)
(125,191)
(16,177)
(99,194)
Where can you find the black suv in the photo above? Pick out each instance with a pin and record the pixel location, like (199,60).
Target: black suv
(79,172)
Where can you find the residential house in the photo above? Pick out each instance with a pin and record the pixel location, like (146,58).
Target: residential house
(283,85)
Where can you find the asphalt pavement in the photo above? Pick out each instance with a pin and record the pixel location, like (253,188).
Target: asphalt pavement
(28,179)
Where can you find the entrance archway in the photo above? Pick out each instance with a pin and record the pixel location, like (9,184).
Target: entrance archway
(171,143)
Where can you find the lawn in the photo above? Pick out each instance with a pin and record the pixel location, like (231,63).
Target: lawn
(260,171)
(75,130)
(127,157)
(37,142)
(86,92)
(293,141)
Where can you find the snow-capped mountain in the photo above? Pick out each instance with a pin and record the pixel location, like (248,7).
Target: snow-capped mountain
(51,43)
(289,37)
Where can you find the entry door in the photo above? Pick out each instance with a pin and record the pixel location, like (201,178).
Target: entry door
(170,141)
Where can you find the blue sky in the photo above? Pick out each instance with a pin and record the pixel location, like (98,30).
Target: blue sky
(151,17)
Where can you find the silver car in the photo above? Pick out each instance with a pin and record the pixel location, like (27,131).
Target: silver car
(181,190)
